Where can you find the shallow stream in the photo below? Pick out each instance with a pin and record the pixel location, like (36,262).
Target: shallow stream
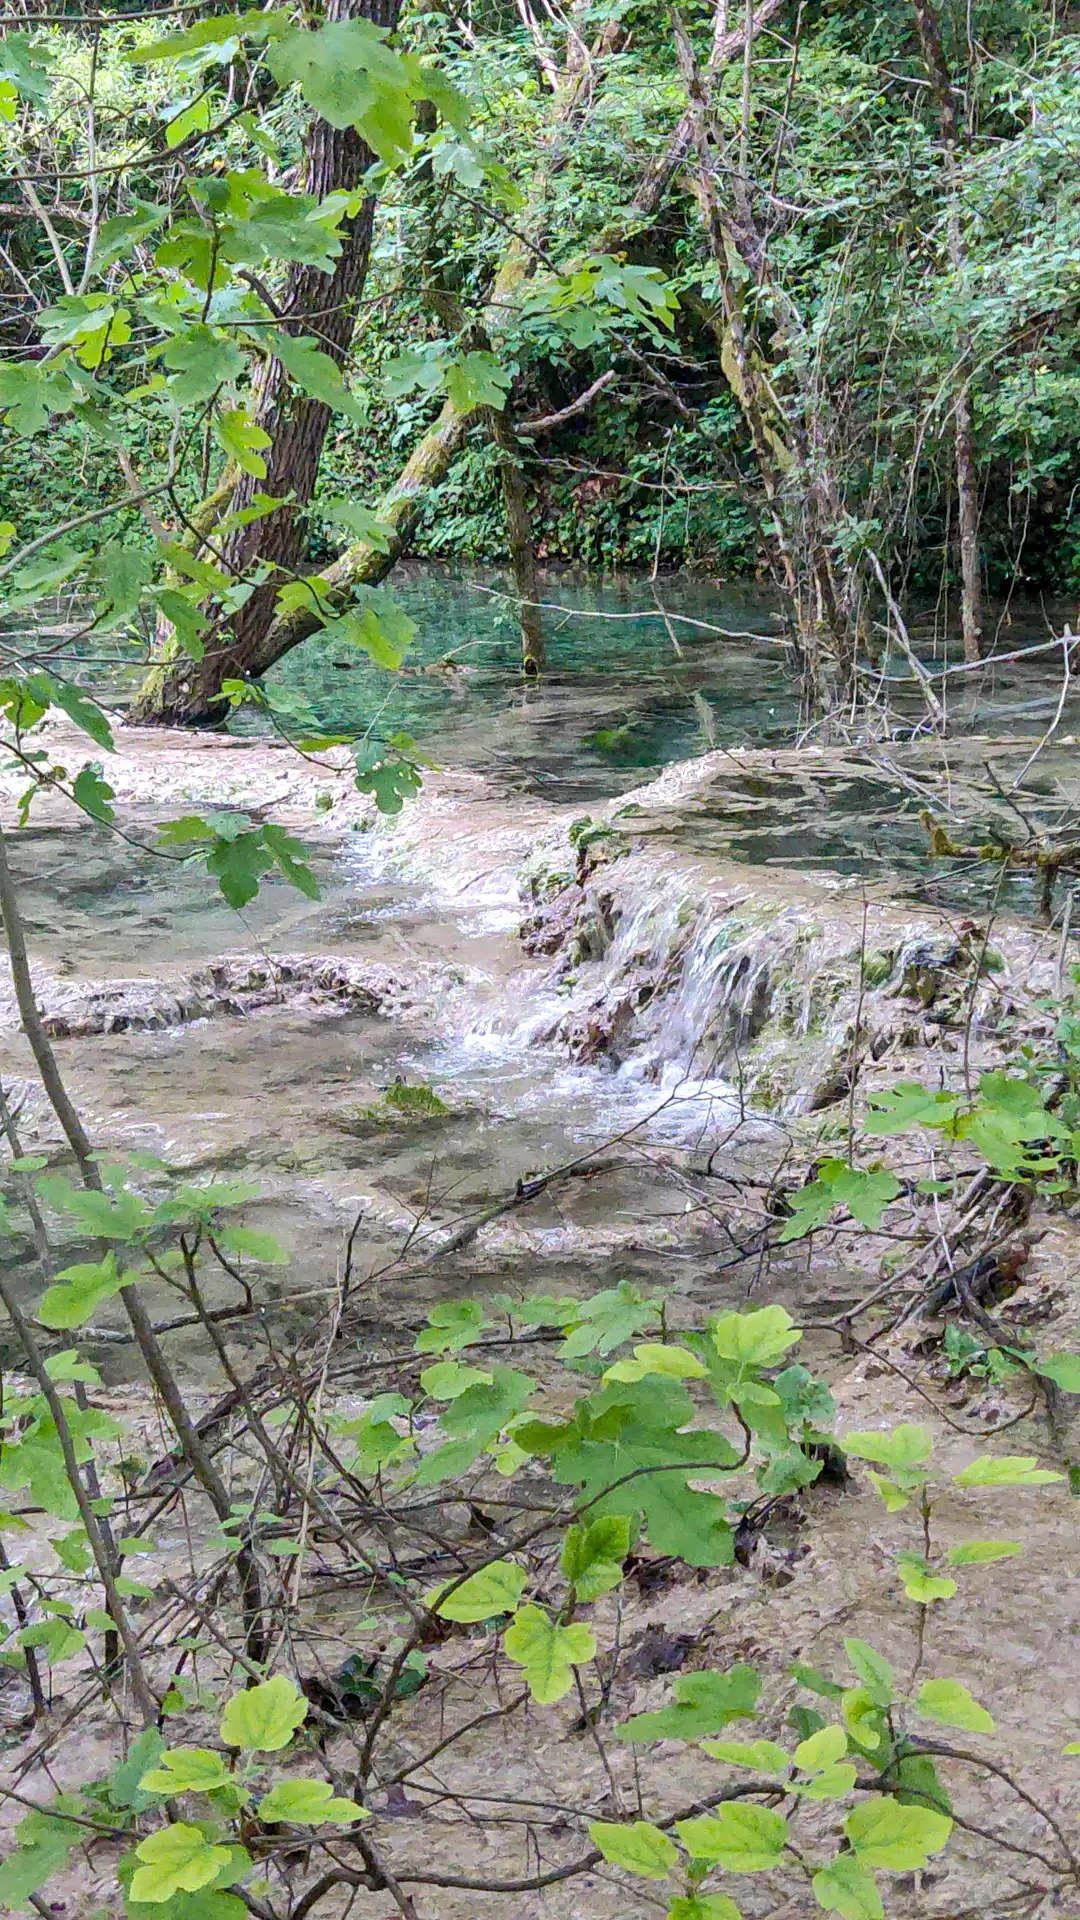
(292,1092)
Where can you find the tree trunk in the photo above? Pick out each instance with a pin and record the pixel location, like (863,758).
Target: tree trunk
(314,303)
(967,476)
(519,538)
(402,505)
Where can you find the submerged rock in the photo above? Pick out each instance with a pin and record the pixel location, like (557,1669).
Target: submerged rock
(230,986)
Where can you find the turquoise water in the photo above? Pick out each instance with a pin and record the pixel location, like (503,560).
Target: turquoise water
(626,689)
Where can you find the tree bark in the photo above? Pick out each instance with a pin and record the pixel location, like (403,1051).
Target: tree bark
(519,539)
(967,474)
(323,305)
(401,506)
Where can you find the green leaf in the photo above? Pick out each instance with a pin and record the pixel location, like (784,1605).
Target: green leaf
(704,1906)
(120,575)
(675,1362)
(865,1195)
(265,1717)
(1006,1470)
(243,440)
(362,523)
(315,372)
(864,1717)
(390,783)
(60,1640)
(1063,1369)
(757,1339)
(739,1837)
(186,1770)
(608,1319)
(979,1553)
(238,864)
(79,1291)
(952,1706)
(638,1848)
(44,1842)
(822,1749)
(872,1669)
(494,1590)
(908,1104)
(94,795)
(377,625)
(885,1834)
(448,1379)
(921,1583)
(60,693)
(847,1887)
(918,1783)
(452,1327)
(904,1447)
(547,1653)
(201,361)
(704,1703)
(176,1859)
(308,1803)
(192,119)
(144,1752)
(592,1555)
(762,1756)
(349,76)
(476,381)
(264,1247)
(68,1366)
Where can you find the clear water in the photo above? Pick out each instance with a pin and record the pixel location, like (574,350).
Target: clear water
(627,689)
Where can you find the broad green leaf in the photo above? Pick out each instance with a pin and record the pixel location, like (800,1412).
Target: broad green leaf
(950,1703)
(863,1716)
(448,1379)
(44,1842)
(894,1497)
(1063,1369)
(78,1291)
(739,1837)
(265,1717)
(832,1783)
(50,690)
(885,1834)
(865,1195)
(704,1703)
(175,1859)
(979,1553)
(847,1887)
(676,1362)
(264,1247)
(921,1583)
(452,1327)
(68,1366)
(377,625)
(905,1448)
(704,1906)
(186,1770)
(822,1749)
(241,437)
(308,1803)
(592,1555)
(201,361)
(872,1669)
(756,1339)
(362,523)
(477,380)
(1006,1470)
(192,119)
(316,373)
(60,1640)
(349,76)
(608,1318)
(94,795)
(639,1848)
(909,1104)
(762,1756)
(494,1590)
(547,1653)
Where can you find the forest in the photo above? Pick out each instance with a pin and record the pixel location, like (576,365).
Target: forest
(540,992)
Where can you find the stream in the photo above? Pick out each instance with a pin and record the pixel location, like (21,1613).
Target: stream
(274,1064)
